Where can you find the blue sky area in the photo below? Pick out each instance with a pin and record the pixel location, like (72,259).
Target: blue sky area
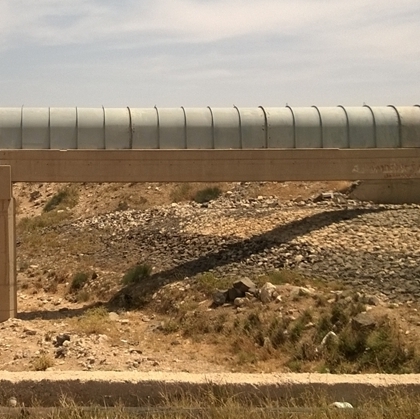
(173,53)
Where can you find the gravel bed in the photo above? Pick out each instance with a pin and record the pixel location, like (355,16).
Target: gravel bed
(371,246)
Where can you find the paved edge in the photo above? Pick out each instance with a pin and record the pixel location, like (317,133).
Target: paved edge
(137,388)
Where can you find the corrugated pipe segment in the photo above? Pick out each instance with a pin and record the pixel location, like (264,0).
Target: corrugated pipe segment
(210,128)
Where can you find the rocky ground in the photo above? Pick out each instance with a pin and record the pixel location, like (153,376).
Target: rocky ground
(319,239)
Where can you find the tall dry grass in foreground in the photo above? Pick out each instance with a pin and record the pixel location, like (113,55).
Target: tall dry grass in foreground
(218,405)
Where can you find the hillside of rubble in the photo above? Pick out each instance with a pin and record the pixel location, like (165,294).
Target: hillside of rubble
(238,277)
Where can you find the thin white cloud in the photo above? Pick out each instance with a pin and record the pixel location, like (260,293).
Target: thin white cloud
(57,22)
(176,51)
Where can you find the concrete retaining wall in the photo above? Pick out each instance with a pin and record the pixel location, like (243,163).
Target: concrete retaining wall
(134,389)
(388,191)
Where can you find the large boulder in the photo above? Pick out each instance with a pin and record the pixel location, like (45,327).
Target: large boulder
(268,293)
(234,293)
(220,297)
(363,322)
(245,285)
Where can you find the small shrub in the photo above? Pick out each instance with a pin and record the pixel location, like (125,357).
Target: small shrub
(385,350)
(323,326)
(82,296)
(43,362)
(252,322)
(32,224)
(298,326)
(23,265)
(208,283)
(78,281)
(352,343)
(245,351)
(137,274)
(122,206)
(181,192)
(58,277)
(170,326)
(356,308)
(64,197)
(196,325)
(339,316)
(296,331)
(51,287)
(379,350)
(220,323)
(307,350)
(246,357)
(295,365)
(95,321)
(207,194)
(277,332)
(320,300)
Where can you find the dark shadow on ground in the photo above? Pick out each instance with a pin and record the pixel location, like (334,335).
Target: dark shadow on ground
(59,314)
(135,296)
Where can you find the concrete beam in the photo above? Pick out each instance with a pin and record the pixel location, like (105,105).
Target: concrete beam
(8,296)
(211,165)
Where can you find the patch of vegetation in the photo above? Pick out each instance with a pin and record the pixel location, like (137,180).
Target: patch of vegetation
(96,321)
(379,349)
(42,362)
(298,327)
(286,276)
(170,326)
(78,281)
(207,194)
(208,283)
(32,224)
(58,277)
(214,402)
(122,206)
(314,340)
(65,197)
(137,273)
(181,192)
(82,296)
(23,265)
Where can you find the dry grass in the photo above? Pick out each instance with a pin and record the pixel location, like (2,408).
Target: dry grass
(291,339)
(78,281)
(197,192)
(137,274)
(96,321)
(47,219)
(66,197)
(207,194)
(217,403)
(208,283)
(42,362)
(181,192)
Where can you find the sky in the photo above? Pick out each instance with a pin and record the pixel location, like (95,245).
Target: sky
(171,53)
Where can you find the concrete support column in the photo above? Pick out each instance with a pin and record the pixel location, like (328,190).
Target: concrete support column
(8,290)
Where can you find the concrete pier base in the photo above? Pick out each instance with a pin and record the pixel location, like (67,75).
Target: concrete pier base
(8,295)
(388,191)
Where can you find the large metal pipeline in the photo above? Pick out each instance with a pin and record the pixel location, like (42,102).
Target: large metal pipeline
(210,128)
